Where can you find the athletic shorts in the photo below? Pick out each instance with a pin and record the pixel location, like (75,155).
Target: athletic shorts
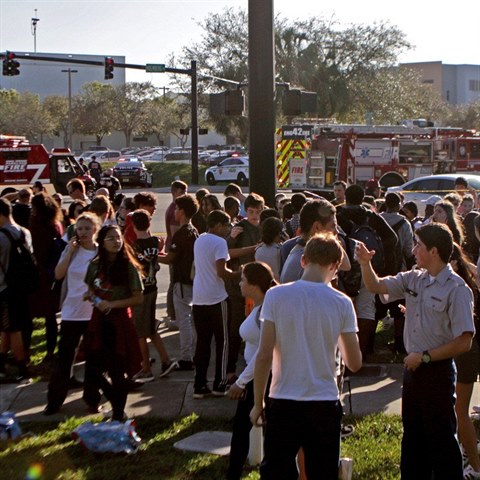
(468,364)
(144,315)
(14,313)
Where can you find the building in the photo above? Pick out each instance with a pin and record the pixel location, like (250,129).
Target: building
(46,77)
(458,84)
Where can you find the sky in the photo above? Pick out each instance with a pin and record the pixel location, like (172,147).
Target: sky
(149,31)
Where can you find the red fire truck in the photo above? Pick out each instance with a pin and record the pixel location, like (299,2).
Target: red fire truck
(22,164)
(313,157)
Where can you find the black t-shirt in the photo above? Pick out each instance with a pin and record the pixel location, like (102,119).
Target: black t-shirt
(146,250)
(182,246)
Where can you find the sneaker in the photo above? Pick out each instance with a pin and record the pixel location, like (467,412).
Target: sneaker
(185,365)
(168,368)
(470,474)
(202,392)
(220,390)
(144,377)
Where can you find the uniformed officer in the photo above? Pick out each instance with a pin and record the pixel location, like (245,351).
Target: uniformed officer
(438,326)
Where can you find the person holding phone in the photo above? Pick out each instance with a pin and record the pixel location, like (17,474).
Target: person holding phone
(76,313)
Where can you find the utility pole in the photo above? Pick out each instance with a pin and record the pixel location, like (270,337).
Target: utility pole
(70,122)
(194,120)
(35,20)
(261,107)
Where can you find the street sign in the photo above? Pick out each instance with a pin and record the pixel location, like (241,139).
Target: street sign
(155,68)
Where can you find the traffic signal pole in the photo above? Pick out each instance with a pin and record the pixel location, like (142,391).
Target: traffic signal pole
(108,66)
(261,106)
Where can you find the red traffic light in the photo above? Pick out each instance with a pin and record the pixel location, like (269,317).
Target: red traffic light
(109,64)
(10,56)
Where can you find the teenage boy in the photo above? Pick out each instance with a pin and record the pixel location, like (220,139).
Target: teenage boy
(245,233)
(303,322)
(147,248)
(438,327)
(177,188)
(180,257)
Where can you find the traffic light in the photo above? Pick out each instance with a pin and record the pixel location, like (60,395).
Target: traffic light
(184,131)
(231,102)
(296,102)
(109,64)
(10,65)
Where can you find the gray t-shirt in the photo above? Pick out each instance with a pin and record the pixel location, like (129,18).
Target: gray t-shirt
(292,269)
(438,309)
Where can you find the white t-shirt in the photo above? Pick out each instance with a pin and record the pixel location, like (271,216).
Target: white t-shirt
(208,287)
(309,318)
(250,332)
(74,308)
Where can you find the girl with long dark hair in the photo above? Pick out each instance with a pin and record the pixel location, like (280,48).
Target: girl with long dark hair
(256,279)
(114,286)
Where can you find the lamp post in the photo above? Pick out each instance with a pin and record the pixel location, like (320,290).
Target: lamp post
(70,123)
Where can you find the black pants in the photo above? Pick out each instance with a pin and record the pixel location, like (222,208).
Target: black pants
(430,449)
(70,334)
(51,333)
(211,321)
(237,316)
(97,364)
(241,434)
(312,425)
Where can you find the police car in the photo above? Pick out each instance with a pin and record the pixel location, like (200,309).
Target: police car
(132,171)
(232,169)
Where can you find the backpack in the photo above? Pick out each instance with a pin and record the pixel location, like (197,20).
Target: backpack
(366,234)
(350,281)
(21,277)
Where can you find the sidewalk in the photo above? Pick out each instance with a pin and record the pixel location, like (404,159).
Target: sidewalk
(373,390)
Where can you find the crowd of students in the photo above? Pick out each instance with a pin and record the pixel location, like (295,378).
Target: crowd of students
(343,265)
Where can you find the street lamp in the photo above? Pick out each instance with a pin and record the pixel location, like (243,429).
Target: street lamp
(70,123)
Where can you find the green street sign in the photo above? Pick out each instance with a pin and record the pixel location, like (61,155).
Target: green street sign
(155,68)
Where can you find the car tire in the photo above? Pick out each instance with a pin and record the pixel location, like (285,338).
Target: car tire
(211,179)
(242,180)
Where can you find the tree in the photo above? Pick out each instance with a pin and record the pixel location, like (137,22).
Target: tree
(129,107)
(56,107)
(93,110)
(314,54)
(390,95)
(464,116)
(8,101)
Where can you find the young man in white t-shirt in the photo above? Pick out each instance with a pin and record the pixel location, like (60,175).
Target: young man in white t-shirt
(303,323)
(210,303)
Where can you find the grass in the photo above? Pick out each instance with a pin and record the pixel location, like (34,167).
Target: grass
(374,447)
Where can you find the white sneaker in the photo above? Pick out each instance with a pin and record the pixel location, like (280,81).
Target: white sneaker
(143,377)
(470,474)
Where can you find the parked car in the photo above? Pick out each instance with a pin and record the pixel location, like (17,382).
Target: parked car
(232,169)
(133,171)
(419,189)
(107,156)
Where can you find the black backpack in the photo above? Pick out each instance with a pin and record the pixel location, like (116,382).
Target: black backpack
(366,234)
(21,277)
(350,281)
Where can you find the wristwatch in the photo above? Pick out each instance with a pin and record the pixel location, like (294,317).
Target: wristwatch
(426,358)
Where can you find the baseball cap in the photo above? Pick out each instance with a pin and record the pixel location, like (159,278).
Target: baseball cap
(432,200)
